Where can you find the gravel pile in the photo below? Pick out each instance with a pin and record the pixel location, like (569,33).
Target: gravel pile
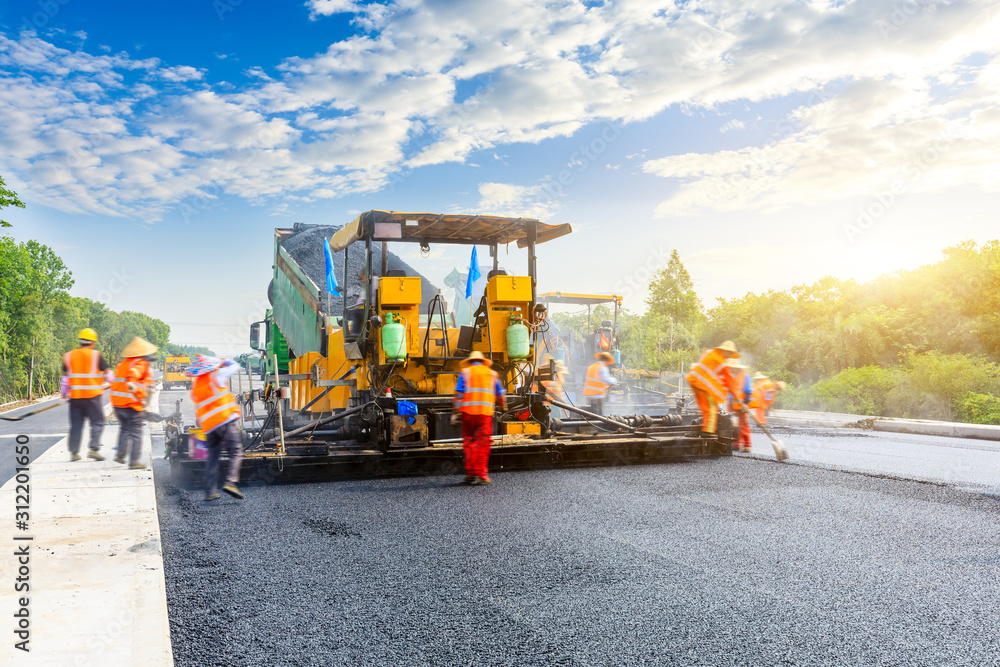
(306,247)
(720,562)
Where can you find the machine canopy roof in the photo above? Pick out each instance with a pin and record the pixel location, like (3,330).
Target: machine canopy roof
(582,299)
(444,228)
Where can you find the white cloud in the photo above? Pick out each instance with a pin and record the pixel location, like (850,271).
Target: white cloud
(330,7)
(873,137)
(181,73)
(507,199)
(424,83)
(733,124)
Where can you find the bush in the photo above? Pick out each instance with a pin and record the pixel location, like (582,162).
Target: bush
(858,391)
(939,382)
(906,400)
(976,408)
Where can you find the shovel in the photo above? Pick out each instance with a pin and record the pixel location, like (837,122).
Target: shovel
(780,452)
(33,412)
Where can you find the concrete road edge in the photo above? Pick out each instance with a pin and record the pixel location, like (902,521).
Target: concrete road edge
(97,592)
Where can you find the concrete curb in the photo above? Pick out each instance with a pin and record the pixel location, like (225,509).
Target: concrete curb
(885,424)
(97,590)
(5,408)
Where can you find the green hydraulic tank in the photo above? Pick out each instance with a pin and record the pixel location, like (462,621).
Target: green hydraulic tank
(518,340)
(393,339)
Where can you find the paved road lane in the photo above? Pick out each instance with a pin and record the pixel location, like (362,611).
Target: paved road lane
(958,461)
(722,562)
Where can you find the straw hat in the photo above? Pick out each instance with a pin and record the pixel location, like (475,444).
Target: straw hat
(782,386)
(759,376)
(561,366)
(728,346)
(605,357)
(139,348)
(738,366)
(476,356)
(202,365)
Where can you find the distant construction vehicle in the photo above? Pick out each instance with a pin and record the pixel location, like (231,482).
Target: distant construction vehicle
(364,386)
(173,372)
(633,393)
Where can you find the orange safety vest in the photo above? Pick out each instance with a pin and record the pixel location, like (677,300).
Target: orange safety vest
(711,374)
(737,396)
(130,370)
(763,394)
(213,405)
(479,397)
(552,389)
(593,385)
(85,377)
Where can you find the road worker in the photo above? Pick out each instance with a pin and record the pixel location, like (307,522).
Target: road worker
(130,392)
(85,377)
(553,388)
(711,381)
(598,381)
(744,386)
(216,411)
(764,392)
(477,393)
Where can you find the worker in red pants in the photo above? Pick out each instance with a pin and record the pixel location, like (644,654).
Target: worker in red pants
(477,393)
(745,392)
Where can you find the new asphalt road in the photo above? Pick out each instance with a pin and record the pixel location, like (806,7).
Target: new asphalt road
(734,561)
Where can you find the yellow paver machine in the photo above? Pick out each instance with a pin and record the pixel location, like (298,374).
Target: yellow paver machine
(361,384)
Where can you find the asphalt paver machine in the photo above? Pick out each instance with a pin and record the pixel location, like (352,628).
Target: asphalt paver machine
(368,390)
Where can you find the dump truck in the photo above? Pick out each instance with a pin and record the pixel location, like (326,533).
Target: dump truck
(173,372)
(361,383)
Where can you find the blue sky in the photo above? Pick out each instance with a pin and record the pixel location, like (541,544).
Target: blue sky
(771,143)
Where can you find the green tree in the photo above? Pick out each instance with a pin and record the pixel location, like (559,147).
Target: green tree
(39,320)
(8,198)
(672,295)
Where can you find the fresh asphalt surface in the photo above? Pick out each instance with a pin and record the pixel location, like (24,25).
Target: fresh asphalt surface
(728,561)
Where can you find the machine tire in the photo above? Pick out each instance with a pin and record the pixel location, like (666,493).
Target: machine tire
(270,292)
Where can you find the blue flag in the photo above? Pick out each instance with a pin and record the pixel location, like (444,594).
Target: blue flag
(331,280)
(473,273)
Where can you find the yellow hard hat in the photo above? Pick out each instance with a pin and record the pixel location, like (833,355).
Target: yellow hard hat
(138,348)
(87,334)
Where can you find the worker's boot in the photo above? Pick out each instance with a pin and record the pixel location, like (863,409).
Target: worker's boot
(96,455)
(136,466)
(119,459)
(469,479)
(484,480)
(214,496)
(233,491)
(74,457)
